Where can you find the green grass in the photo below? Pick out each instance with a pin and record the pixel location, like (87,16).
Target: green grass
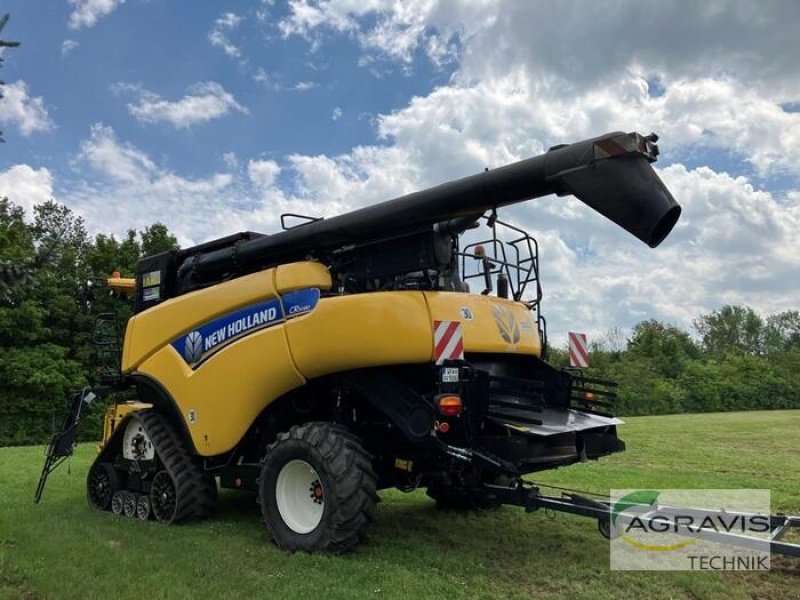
(62,549)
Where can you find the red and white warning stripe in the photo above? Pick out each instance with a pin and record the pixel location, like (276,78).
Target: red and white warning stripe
(448,341)
(578,352)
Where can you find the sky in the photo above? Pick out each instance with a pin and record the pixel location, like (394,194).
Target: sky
(216,117)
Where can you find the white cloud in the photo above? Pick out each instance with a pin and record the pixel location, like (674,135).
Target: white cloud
(715,83)
(734,244)
(21,110)
(304,86)
(109,157)
(707,39)
(497,120)
(337,113)
(26,186)
(231,160)
(121,187)
(86,13)
(68,46)
(263,172)
(397,29)
(203,102)
(219,36)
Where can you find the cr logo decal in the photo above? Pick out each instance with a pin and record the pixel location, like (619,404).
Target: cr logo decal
(506,324)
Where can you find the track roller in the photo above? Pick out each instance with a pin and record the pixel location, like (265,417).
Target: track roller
(118,503)
(143,509)
(129,504)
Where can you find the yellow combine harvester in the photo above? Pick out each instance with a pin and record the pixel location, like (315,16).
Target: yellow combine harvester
(347,355)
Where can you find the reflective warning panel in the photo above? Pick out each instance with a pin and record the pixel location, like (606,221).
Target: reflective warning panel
(448,341)
(578,350)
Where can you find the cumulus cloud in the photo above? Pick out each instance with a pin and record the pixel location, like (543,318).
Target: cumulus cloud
(394,29)
(86,13)
(717,76)
(26,186)
(263,172)
(571,48)
(28,114)
(121,187)
(203,102)
(219,36)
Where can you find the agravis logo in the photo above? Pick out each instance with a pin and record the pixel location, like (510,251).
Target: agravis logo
(690,529)
(633,505)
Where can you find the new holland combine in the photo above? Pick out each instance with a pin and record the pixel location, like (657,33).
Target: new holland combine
(371,350)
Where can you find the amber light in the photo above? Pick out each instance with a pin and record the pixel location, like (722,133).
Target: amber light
(450,405)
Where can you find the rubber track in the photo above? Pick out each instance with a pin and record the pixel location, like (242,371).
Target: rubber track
(196,490)
(350,465)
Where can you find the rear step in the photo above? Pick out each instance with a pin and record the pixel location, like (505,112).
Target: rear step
(523,402)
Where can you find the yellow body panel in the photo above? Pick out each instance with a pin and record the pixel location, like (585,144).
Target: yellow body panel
(490,324)
(296,276)
(221,395)
(152,329)
(221,399)
(362,330)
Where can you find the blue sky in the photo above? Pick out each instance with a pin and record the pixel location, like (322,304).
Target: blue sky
(164,47)
(215,117)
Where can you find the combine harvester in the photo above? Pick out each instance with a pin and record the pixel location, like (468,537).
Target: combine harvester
(347,355)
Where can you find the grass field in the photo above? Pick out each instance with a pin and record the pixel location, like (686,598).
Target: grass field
(62,549)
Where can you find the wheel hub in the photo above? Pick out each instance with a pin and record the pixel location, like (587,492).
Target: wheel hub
(300,496)
(317,495)
(163,497)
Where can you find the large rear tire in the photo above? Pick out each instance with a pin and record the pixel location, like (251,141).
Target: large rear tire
(317,489)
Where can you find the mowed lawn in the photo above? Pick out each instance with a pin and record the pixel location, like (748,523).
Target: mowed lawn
(63,549)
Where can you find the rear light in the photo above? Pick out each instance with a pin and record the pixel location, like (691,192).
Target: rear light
(449,405)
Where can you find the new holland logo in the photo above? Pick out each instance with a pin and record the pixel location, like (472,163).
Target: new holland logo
(193,347)
(507,325)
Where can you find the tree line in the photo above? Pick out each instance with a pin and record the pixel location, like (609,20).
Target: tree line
(46,349)
(734,359)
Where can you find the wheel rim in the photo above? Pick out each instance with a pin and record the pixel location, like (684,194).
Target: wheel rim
(163,498)
(101,488)
(300,496)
